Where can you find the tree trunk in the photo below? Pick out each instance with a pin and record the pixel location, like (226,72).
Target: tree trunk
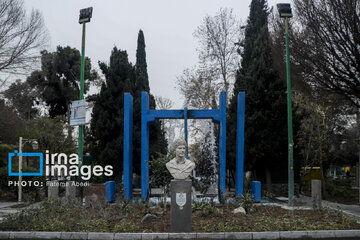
(268,180)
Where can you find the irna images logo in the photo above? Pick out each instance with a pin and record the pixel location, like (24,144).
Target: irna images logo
(11,155)
(59,164)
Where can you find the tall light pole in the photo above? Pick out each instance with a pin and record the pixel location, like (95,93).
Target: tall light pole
(285,12)
(85,16)
(358,139)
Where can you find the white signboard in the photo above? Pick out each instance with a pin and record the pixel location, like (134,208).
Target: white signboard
(78,113)
(181,199)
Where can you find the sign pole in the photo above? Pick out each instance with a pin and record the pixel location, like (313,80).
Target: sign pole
(80,146)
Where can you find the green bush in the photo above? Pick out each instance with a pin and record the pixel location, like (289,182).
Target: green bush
(4,177)
(246,201)
(339,188)
(30,193)
(205,208)
(125,226)
(159,175)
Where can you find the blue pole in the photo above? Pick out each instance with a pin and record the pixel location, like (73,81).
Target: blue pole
(144,146)
(239,182)
(128,135)
(186,133)
(222,109)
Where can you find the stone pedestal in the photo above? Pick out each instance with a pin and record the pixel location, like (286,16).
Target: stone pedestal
(70,190)
(180,216)
(316,194)
(53,189)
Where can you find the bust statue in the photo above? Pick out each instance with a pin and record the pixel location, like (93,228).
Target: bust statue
(180,167)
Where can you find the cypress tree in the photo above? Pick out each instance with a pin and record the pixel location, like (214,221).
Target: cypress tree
(58,81)
(157,140)
(107,123)
(142,78)
(265,109)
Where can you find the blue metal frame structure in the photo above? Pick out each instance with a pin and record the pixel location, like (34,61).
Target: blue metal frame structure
(149,116)
(128,136)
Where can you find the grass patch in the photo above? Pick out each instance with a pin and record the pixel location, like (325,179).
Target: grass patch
(126,217)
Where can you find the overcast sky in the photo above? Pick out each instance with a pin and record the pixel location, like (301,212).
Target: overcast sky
(168,27)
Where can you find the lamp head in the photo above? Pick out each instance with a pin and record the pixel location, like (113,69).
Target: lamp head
(35,145)
(85,15)
(284,10)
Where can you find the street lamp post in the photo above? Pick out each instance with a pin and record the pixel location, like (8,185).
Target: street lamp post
(285,12)
(85,16)
(358,130)
(35,146)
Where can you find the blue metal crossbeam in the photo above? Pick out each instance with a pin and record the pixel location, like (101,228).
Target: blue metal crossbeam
(179,114)
(149,116)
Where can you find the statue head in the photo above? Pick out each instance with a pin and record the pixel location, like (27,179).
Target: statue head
(179,167)
(179,146)
(176,143)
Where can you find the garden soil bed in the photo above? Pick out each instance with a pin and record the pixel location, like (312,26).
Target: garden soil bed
(126,217)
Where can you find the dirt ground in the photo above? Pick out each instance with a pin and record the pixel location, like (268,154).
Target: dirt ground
(260,218)
(127,217)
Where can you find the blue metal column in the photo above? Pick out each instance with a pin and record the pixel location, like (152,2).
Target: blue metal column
(186,133)
(128,137)
(222,109)
(256,190)
(239,181)
(144,145)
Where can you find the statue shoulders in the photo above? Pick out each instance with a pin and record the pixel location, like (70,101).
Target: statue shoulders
(171,163)
(189,162)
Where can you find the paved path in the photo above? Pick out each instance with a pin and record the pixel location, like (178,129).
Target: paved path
(10,207)
(353,210)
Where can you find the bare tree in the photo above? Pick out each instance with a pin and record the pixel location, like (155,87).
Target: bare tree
(200,91)
(21,37)
(198,87)
(327,47)
(218,38)
(163,102)
(169,126)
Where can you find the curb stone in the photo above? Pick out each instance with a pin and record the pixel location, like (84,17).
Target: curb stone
(347,233)
(323,234)
(238,235)
(265,235)
(102,236)
(22,235)
(210,236)
(331,234)
(294,235)
(4,235)
(178,236)
(127,236)
(74,235)
(47,235)
(153,236)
